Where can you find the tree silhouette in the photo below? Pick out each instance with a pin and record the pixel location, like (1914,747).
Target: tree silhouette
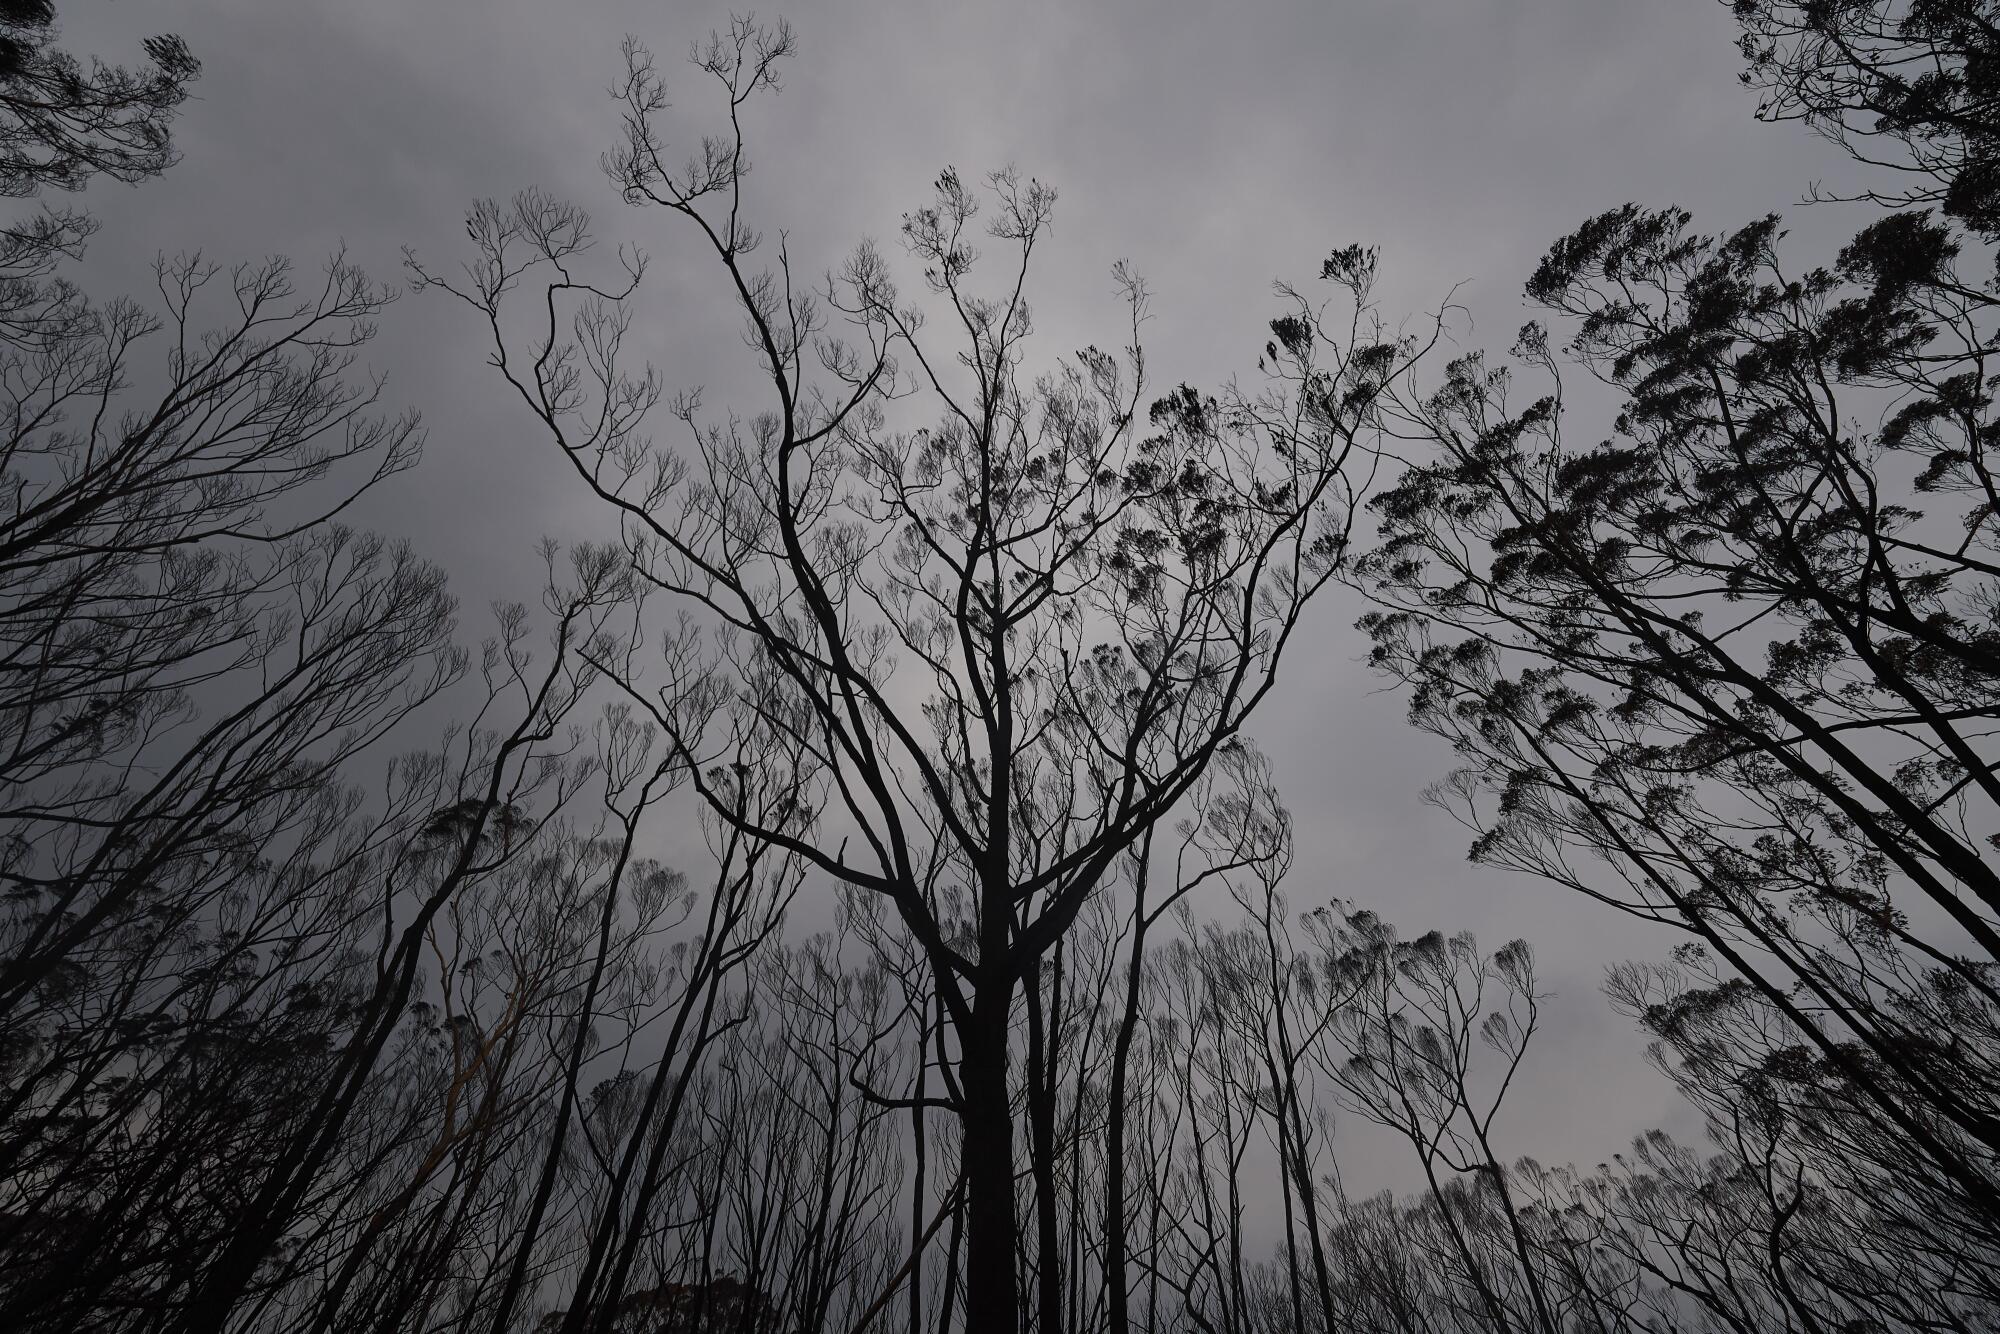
(303,1030)
(1014,630)
(1732,668)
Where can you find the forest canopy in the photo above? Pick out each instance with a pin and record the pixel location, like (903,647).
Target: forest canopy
(847,893)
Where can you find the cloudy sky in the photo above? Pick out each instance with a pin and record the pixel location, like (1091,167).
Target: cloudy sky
(1216,146)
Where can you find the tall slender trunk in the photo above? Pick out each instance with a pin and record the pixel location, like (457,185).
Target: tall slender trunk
(1042,1019)
(920,1155)
(1118,1299)
(992,1287)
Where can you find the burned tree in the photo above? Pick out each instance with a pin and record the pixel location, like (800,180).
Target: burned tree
(1731,665)
(1014,615)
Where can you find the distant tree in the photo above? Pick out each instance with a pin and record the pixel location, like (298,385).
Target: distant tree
(1236,825)
(724,1305)
(1406,1021)
(620,1160)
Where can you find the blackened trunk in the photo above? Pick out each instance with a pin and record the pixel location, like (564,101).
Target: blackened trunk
(1115,1246)
(1042,1152)
(992,1288)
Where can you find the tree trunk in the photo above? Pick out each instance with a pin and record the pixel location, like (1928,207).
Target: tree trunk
(1116,1249)
(992,1289)
(1042,1021)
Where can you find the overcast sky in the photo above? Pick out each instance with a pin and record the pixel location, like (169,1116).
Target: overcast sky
(1217,146)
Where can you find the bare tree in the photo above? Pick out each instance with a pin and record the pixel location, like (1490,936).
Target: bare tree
(1743,651)
(210,933)
(1014,629)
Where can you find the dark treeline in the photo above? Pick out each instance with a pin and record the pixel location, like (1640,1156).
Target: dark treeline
(341,988)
